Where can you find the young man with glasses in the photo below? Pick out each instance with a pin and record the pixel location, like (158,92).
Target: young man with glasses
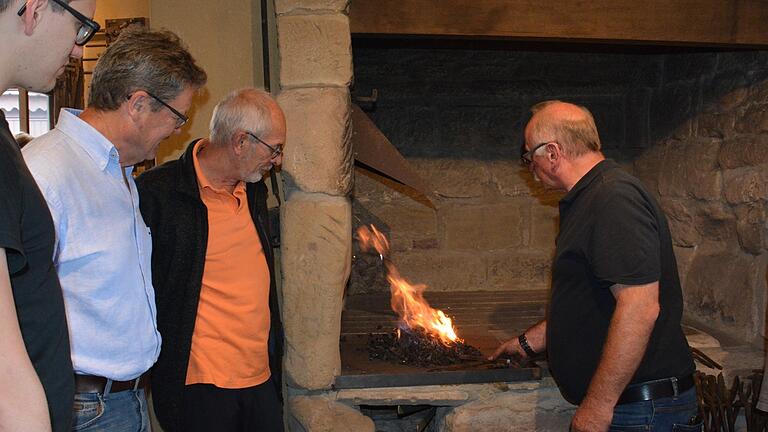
(140,87)
(214,274)
(612,335)
(37,384)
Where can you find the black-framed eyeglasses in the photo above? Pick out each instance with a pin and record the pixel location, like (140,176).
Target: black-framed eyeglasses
(181,119)
(88,27)
(527,157)
(276,150)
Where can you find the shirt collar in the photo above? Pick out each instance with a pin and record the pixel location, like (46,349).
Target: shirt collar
(98,147)
(601,167)
(203,181)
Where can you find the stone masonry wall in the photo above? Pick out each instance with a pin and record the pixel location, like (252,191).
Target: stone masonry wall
(692,125)
(315,73)
(709,166)
(457,112)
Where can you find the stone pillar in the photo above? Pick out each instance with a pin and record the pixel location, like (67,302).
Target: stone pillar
(316,70)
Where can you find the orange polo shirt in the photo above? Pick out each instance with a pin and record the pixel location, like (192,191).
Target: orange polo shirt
(229,343)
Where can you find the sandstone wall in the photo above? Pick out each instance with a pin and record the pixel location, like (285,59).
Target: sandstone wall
(315,73)
(709,166)
(692,125)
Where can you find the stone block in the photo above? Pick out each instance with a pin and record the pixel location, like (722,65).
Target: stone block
(752,227)
(716,125)
(741,151)
(371,187)
(720,286)
(545,222)
(321,414)
(315,50)
(647,167)
(316,250)
(484,226)
(715,221)
(511,179)
(753,120)
(402,223)
(690,169)
(543,410)
(318,151)
(681,221)
(454,178)
(745,185)
(519,270)
(441,270)
(283,7)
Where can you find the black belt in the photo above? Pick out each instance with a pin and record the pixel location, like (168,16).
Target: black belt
(96,384)
(658,389)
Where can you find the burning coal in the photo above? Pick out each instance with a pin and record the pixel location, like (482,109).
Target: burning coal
(408,301)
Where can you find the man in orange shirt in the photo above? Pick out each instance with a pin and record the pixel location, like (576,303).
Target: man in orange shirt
(213,274)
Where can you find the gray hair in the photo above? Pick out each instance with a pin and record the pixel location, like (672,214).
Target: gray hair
(154,61)
(54,6)
(576,136)
(247,109)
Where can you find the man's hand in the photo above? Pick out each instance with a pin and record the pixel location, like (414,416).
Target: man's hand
(537,339)
(591,417)
(511,347)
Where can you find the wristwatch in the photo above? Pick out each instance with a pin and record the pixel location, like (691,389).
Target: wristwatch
(525,346)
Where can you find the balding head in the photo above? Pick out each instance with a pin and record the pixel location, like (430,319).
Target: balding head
(571,126)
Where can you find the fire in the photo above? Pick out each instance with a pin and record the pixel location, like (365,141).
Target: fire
(407,299)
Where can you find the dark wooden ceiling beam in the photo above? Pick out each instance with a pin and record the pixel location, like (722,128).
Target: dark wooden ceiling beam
(676,22)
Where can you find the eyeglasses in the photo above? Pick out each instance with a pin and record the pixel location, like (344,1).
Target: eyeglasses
(88,27)
(276,151)
(181,118)
(527,157)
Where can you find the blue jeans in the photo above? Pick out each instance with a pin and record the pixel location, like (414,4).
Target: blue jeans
(660,415)
(125,411)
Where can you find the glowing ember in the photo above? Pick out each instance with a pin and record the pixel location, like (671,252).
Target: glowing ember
(407,299)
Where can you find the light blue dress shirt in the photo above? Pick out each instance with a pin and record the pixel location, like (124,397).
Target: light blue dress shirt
(103,250)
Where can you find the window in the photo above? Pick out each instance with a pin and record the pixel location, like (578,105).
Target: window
(26,111)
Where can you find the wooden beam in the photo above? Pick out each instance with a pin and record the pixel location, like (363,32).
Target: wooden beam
(677,22)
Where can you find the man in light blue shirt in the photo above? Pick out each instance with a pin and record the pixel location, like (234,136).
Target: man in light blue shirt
(141,87)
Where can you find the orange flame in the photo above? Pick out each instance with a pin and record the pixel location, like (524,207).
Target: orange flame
(407,299)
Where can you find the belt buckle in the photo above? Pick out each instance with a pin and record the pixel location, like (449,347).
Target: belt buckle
(675,388)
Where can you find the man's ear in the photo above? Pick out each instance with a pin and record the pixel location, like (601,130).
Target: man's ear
(136,104)
(240,140)
(553,152)
(31,17)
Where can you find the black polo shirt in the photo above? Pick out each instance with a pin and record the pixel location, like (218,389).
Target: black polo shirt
(27,235)
(611,232)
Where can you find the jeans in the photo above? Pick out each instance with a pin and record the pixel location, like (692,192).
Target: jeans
(125,411)
(660,415)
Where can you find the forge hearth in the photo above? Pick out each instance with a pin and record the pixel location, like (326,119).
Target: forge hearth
(483,320)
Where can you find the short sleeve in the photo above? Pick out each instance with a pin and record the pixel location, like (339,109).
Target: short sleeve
(624,245)
(11,200)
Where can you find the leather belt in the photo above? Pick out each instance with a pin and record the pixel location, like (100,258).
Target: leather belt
(658,389)
(97,384)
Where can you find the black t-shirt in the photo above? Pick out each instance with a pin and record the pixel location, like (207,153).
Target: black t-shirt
(27,235)
(611,232)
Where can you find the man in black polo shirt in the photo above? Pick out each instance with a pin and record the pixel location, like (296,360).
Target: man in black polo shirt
(612,333)
(36,379)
